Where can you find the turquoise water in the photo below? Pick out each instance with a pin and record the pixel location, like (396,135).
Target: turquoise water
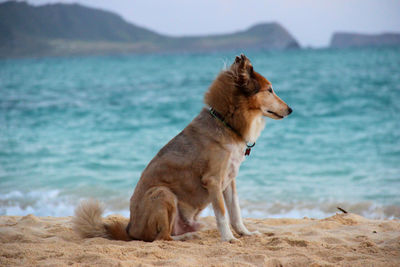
(74,128)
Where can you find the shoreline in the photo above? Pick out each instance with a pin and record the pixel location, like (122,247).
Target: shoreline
(60,204)
(339,240)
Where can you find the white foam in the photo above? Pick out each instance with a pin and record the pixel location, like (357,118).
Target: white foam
(40,203)
(56,203)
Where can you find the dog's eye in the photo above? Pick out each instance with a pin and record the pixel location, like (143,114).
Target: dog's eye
(270,90)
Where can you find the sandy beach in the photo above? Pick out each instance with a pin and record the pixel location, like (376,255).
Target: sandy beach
(340,240)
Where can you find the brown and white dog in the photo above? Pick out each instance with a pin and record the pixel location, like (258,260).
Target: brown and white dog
(197,167)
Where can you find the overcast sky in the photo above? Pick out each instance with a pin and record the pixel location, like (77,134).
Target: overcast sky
(311,22)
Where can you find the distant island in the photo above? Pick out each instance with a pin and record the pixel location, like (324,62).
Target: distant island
(73,29)
(345,40)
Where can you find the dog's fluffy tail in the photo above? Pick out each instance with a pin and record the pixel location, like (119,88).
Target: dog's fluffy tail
(88,222)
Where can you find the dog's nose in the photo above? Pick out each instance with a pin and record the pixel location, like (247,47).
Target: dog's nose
(290,110)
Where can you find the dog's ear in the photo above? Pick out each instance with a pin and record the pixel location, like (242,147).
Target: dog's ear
(240,62)
(243,71)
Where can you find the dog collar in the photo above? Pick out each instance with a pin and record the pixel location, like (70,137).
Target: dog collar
(219,117)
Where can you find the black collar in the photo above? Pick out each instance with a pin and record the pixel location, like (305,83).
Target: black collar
(219,117)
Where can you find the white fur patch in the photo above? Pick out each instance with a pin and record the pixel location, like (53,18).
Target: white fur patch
(257,125)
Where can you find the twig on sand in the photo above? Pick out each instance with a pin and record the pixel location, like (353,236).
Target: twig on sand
(342,210)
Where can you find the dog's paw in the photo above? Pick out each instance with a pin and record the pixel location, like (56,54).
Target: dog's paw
(248,233)
(255,233)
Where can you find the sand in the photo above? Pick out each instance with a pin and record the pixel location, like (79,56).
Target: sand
(340,240)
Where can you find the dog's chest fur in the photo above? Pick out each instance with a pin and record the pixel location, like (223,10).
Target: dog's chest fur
(235,159)
(237,150)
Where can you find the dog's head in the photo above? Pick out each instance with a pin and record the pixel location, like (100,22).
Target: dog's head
(257,89)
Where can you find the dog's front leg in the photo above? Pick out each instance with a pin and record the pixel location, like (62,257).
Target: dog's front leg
(232,203)
(217,200)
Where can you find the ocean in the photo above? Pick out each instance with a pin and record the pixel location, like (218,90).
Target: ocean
(85,127)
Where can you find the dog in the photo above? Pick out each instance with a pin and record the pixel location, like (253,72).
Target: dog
(197,167)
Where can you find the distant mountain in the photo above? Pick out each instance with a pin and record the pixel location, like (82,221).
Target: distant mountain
(344,40)
(68,29)
(262,36)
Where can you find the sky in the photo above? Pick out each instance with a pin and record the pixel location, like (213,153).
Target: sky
(311,22)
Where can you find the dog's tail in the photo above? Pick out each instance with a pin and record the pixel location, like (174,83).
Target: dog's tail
(88,222)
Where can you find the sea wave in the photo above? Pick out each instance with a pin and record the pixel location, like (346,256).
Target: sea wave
(55,203)
(40,203)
